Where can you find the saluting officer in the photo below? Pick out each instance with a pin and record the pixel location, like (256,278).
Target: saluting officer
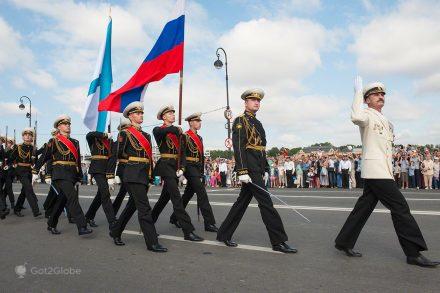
(170,167)
(192,149)
(249,143)
(66,174)
(100,148)
(23,156)
(377,135)
(135,147)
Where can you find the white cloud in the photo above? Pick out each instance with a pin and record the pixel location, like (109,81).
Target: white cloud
(18,82)
(41,78)
(430,84)
(404,42)
(12,53)
(74,98)
(275,53)
(11,109)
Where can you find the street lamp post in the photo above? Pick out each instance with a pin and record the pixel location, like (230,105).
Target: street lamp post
(228,114)
(21,107)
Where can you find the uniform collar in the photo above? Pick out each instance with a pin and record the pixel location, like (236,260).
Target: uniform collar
(249,114)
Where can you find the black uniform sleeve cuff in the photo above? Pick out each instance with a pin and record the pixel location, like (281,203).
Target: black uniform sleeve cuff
(242,172)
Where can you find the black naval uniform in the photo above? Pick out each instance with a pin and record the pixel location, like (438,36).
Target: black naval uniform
(53,194)
(2,181)
(194,173)
(166,167)
(119,172)
(66,172)
(98,169)
(22,156)
(136,176)
(249,142)
(8,178)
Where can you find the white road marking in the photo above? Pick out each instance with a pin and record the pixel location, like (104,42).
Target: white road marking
(209,242)
(310,208)
(321,197)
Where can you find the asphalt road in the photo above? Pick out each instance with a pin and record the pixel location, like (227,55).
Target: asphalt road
(69,263)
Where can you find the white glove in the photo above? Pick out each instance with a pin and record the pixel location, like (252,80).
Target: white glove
(111,181)
(179,173)
(244,178)
(34,178)
(77,184)
(6,168)
(358,84)
(266,176)
(109,135)
(48,181)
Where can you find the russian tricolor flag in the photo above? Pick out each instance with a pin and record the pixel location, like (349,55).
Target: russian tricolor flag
(166,57)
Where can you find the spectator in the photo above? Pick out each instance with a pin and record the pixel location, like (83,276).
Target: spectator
(299,175)
(331,172)
(404,171)
(223,169)
(411,175)
(427,169)
(436,169)
(289,166)
(344,169)
(396,172)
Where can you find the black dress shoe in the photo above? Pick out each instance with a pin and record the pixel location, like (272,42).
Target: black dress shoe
(18,214)
(117,241)
(84,231)
(7,211)
(348,251)
(53,230)
(421,261)
(175,223)
(193,237)
(230,243)
(283,247)
(2,215)
(37,214)
(92,223)
(211,228)
(157,248)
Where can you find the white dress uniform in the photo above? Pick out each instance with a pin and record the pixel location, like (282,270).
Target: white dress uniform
(377,171)
(377,137)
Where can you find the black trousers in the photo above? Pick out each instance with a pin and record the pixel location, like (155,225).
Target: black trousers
(171,191)
(27,193)
(289,175)
(269,214)
(345,179)
(195,185)
(67,195)
(385,190)
(138,201)
(119,198)
(2,194)
(101,197)
(223,179)
(359,180)
(332,178)
(51,200)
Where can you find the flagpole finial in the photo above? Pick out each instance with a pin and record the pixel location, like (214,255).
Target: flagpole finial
(110,11)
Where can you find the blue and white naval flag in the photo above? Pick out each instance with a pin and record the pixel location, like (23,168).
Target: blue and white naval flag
(100,87)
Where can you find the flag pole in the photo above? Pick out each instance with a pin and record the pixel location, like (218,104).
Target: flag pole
(180,95)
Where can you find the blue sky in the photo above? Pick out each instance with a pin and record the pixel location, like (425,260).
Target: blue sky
(303,53)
